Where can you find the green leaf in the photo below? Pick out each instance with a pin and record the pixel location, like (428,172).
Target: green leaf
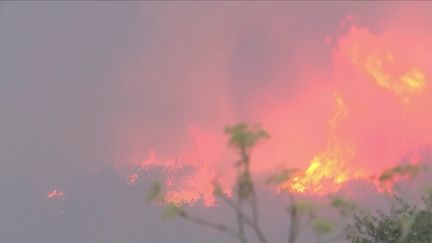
(171,210)
(155,192)
(402,224)
(344,206)
(428,190)
(280,177)
(304,207)
(242,135)
(407,170)
(401,170)
(386,175)
(217,190)
(322,226)
(405,223)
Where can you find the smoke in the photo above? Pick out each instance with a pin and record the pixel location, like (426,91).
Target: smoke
(100,95)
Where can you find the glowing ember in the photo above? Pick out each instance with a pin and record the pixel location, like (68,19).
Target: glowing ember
(56,194)
(132,179)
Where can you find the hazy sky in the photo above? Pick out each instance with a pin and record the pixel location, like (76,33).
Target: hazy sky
(86,87)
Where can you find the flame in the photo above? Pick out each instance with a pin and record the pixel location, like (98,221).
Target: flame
(328,169)
(377,59)
(404,85)
(182,189)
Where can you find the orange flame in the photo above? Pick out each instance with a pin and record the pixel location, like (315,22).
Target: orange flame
(188,178)
(380,62)
(328,169)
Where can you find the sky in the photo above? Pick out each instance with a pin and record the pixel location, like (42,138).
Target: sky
(90,90)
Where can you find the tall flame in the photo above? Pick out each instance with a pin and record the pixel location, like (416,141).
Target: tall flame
(328,169)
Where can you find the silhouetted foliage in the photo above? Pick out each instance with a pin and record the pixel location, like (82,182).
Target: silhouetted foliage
(404,223)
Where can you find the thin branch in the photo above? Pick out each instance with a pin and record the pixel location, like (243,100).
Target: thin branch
(253,198)
(216,226)
(255,227)
(240,224)
(239,213)
(245,154)
(254,206)
(293,229)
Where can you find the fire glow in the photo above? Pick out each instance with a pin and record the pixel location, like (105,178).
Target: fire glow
(378,60)
(374,110)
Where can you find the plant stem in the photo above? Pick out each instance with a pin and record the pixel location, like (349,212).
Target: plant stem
(255,227)
(215,226)
(294,221)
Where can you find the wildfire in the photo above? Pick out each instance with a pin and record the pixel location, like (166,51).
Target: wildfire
(382,84)
(328,170)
